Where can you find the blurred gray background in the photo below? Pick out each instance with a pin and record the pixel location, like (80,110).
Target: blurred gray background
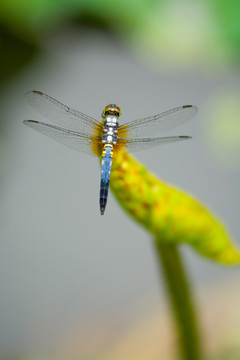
(67,273)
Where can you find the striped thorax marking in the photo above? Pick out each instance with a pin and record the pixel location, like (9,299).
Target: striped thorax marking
(110,116)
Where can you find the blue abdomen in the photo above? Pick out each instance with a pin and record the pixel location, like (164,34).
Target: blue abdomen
(105,177)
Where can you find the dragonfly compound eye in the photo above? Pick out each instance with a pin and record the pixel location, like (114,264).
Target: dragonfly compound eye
(111,109)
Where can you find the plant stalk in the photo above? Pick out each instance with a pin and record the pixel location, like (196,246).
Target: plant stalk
(180,299)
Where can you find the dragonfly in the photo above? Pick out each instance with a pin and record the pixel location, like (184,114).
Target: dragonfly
(106,137)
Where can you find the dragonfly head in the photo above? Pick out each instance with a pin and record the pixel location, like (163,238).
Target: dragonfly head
(111,109)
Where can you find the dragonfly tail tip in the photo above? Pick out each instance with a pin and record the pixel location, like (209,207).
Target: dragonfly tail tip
(102,209)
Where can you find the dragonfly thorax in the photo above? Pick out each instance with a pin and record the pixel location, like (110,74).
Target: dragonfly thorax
(110,121)
(110,129)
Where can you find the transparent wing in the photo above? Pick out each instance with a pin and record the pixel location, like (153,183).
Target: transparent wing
(91,145)
(61,115)
(157,124)
(146,143)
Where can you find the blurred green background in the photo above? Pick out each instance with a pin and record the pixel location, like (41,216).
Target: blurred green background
(73,284)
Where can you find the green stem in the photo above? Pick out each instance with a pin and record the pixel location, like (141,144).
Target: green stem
(181,301)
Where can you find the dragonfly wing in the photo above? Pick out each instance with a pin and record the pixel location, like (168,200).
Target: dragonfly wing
(88,144)
(157,124)
(61,115)
(146,143)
